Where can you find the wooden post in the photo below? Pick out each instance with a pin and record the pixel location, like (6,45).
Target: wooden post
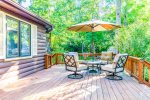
(140,71)
(46,61)
(58,60)
(130,67)
(50,60)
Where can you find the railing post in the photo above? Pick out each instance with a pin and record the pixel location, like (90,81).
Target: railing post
(140,71)
(50,60)
(129,67)
(46,61)
(56,59)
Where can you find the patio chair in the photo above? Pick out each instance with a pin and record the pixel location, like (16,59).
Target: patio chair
(117,67)
(77,57)
(106,58)
(72,64)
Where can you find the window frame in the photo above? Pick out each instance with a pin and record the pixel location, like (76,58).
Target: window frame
(19,38)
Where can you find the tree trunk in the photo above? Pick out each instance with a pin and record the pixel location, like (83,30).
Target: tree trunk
(125,14)
(118,12)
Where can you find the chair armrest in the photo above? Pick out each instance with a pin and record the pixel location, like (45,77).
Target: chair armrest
(81,61)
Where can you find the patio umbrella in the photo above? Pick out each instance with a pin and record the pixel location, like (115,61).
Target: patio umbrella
(93,26)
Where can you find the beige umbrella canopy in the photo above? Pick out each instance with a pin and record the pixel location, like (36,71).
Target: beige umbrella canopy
(93,26)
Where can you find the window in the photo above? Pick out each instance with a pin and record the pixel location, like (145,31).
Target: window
(25,39)
(18,38)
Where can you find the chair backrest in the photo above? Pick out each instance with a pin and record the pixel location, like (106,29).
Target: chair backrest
(120,60)
(75,55)
(70,61)
(108,56)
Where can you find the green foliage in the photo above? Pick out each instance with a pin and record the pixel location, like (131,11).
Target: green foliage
(134,39)
(64,13)
(146,75)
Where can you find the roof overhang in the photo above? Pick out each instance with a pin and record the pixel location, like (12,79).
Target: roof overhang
(16,8)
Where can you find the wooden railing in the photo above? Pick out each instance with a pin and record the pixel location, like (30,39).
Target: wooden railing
(140,69)
(137,68)
(49,60)
(53,59)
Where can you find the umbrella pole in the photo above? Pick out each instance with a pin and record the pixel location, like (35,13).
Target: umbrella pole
(93,49)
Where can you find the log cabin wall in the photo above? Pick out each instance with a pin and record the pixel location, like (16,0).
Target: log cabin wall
(10,71)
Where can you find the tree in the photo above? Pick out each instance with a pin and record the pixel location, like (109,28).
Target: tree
(132,38)
(118,12)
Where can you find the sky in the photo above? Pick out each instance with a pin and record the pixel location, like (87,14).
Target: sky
(26,3)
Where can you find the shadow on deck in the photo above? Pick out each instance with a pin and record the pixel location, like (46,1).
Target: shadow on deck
(53,84)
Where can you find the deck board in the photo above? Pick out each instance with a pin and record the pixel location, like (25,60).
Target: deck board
(100,95)
(53,84)
(110,90)
(94,87)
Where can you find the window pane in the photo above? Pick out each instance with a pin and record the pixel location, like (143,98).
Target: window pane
(25,44)
(12,38)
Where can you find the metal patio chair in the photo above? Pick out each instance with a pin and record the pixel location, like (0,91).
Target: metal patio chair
(117,67)
(77,58)
(72,64)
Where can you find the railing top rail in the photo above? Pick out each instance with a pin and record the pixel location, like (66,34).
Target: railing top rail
(134,58)
(89,54)
(98,54)
(52,55)
(147,63)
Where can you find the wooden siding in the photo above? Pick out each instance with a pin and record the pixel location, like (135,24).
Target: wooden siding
(11,71)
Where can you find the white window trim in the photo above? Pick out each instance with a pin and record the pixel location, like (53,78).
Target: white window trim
(4,38)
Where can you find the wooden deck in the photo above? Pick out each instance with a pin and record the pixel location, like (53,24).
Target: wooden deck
(53,84)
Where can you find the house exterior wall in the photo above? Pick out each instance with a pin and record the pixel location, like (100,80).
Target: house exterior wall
(12,70)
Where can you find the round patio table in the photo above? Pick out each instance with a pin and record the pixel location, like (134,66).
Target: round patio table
(93,64)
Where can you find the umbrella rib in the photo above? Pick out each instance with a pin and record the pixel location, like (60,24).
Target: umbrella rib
(90,26)
(79,28)
(96,25)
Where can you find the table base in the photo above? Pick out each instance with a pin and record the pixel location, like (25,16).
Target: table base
(93,71)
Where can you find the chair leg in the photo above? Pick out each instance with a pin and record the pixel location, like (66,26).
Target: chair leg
(75,75)
(113,76)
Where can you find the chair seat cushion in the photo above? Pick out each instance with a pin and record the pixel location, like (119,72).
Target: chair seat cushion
(110,68)
(81,67)
(82,61)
